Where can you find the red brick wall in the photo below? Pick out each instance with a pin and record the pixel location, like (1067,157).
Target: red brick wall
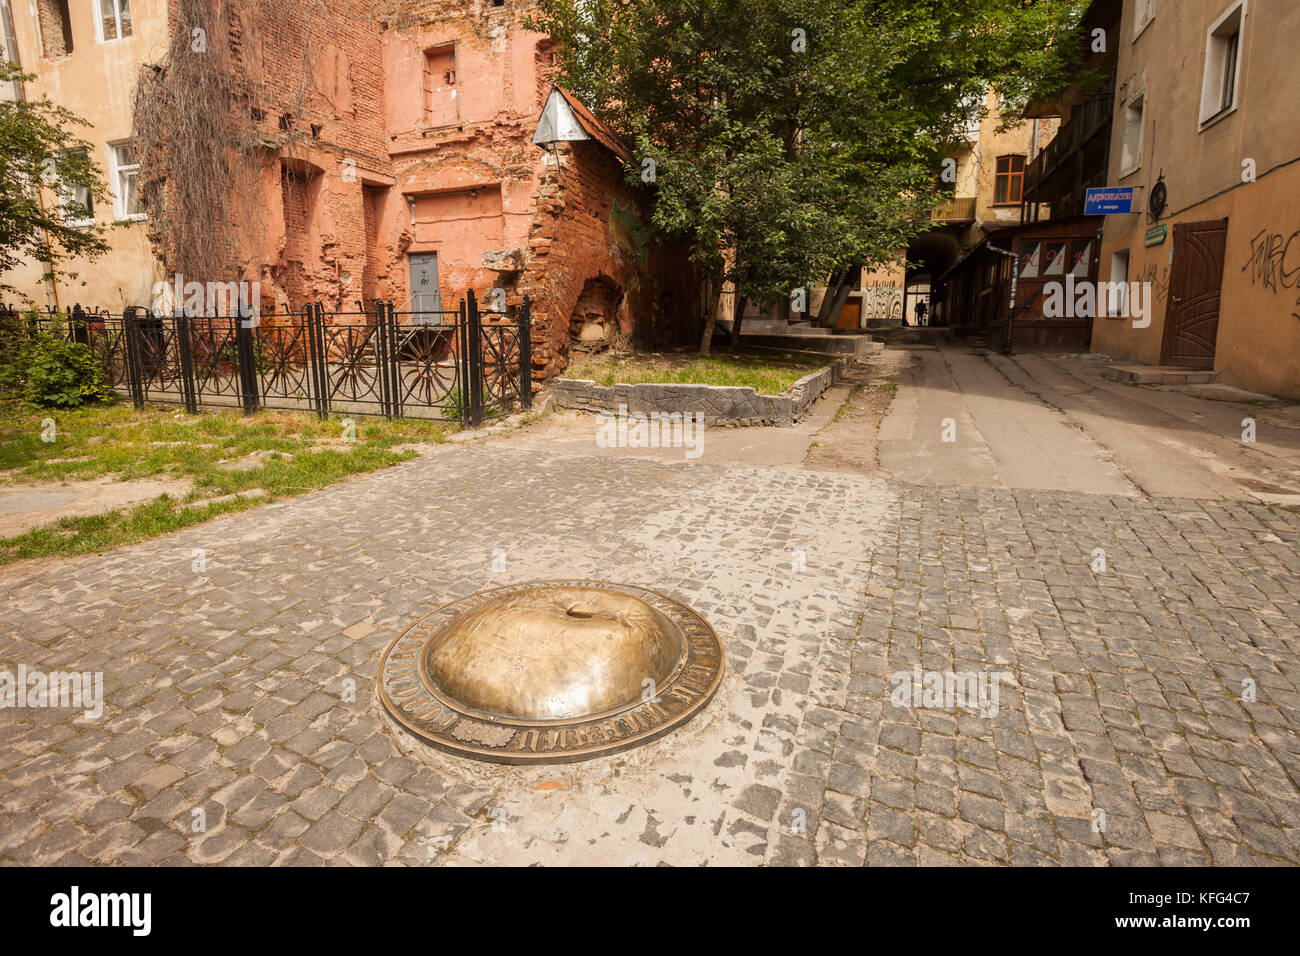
(318,82)
(589,223)
(359,86)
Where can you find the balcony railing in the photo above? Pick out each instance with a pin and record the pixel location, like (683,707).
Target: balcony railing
(961,209)
(1090,118)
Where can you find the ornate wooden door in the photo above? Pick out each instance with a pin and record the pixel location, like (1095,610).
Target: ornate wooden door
(1195,291)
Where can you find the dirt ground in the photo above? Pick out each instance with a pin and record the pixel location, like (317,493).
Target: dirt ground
(849,442)
(27,506)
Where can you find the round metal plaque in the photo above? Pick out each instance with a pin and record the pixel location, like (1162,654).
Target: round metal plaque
(550,671)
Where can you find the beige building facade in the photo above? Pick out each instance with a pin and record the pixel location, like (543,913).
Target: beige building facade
(85,55)
(1207,134)
(987,174)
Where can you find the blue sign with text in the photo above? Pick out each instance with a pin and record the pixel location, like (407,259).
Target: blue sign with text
(1108,201)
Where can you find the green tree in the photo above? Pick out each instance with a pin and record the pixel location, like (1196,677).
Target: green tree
(799,139)
(41,159)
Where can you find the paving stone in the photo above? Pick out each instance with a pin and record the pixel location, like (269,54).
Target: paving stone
(759,801)
(331,834)
(1126,695)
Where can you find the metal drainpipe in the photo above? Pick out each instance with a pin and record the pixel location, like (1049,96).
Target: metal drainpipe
(11,48)
(1015,275)
(20,96)
(1101,230)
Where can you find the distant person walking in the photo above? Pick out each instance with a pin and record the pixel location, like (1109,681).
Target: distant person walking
(920,313)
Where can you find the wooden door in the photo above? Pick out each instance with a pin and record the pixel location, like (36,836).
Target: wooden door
(1195,291)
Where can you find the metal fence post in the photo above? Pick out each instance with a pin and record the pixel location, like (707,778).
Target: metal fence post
(313,357)
(462,364)
(526,354)
(135,374)
(394,371)
(247,356)
(384,359)
(475,332)
(316,325)
(185,359)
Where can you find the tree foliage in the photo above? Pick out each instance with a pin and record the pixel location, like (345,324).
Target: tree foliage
(45,367)
(41,155)
(794,138)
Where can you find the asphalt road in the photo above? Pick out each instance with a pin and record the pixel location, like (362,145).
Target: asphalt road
(1054,423)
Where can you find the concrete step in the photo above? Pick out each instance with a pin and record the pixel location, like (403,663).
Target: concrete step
(1159,375)
(819,341)
(928,335)
(779,327)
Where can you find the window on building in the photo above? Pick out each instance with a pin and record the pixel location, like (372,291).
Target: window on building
(1031,258)
(124,173)
(1116,304)
(440,87)
(114,19)
(1055,259)
(1143,12)
(1134,119)
(1222,64)
(76,202)
(1080,258)
(55,23)
(1009,181)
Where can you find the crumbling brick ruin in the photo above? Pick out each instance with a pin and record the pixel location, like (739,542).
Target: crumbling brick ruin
(406,170)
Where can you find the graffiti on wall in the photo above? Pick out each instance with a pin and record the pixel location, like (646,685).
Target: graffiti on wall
(881,300)
(1158,276)
(1274,263)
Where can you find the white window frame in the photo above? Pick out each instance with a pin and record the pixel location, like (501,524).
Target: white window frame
(1213,68)
(1144,11)
(115,180)
(1119,266)
(117,17)
(65,195)
(1127,169)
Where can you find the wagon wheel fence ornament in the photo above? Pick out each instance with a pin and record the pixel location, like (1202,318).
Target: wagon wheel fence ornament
(427,365)
(500,342)
(159,356)
(110,346)
(355,366)
(452,369)
(212,347)
(279,359)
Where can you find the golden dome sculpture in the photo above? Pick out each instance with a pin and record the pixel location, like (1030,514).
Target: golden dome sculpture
(550,671)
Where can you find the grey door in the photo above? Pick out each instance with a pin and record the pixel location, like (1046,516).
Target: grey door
(424,286)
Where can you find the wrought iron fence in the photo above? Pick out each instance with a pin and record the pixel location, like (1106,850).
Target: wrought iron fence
(461,365)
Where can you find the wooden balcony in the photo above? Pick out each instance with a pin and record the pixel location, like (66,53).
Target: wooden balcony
(960,209)
(1092,117)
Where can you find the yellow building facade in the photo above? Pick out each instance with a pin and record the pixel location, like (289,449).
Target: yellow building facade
(85,56)
(1207,134)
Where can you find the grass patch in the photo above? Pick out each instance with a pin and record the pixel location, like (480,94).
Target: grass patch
(764,374)
(299,453)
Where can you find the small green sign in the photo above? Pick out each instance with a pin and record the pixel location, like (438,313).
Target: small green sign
(1156,235)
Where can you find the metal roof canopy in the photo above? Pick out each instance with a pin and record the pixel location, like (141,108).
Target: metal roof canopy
(567,119)
(559,123)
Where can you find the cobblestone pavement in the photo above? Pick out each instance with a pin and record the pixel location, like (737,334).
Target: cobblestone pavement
(1124,733)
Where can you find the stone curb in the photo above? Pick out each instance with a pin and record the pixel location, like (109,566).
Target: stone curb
(716,403)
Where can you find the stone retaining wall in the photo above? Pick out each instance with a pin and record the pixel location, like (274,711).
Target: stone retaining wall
(717,403)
